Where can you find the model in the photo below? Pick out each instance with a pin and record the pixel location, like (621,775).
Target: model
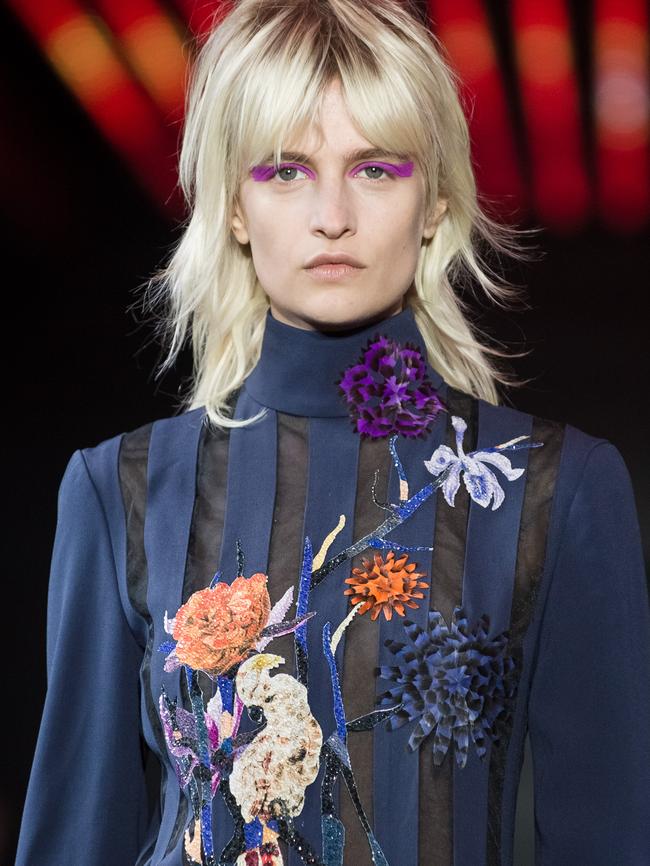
(331,595)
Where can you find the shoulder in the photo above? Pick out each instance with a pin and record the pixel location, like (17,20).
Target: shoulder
(572,465)
(112,459)
(572,444)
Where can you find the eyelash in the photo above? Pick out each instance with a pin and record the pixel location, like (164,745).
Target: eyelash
(388,174)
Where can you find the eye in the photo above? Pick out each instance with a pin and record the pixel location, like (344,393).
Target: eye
(256,714)
(282,169)
(387,172)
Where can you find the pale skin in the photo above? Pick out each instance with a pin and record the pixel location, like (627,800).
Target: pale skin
(372,209)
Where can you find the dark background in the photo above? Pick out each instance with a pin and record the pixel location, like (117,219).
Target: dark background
(79,235)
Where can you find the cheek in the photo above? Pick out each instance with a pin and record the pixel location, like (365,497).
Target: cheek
(275,248)
(273,229)
(397,233)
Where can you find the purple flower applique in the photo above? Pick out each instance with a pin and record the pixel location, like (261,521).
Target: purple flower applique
(182,735)
(388,391)
(481,482)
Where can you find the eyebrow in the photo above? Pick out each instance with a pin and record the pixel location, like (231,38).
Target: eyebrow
(352,156)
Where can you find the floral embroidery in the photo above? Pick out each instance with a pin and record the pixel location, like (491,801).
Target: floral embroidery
(388,391)
(455,681)
(481,482)
(215,630)
(181,736)
(218,626)
(385,585)
(262,774)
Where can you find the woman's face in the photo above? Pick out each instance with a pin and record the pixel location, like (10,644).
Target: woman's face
(369,208)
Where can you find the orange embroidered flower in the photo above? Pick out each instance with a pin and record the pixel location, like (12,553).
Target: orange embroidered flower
(387,585)
(216,628)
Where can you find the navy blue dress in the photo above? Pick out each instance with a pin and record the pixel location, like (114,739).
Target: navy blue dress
(328,633)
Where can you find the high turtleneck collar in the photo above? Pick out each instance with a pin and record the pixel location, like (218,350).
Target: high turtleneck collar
(298,370)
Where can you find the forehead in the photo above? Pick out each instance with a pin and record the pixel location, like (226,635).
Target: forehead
(354,155)
(330,128)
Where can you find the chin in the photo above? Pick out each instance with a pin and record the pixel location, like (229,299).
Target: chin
(329,313)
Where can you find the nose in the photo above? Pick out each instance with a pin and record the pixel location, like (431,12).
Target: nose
(332,208)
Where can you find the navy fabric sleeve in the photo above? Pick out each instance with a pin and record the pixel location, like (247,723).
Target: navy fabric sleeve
(86,800)
(589,705)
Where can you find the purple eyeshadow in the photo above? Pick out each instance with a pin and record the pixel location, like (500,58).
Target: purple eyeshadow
(402,169)
(262,172)
(266,172)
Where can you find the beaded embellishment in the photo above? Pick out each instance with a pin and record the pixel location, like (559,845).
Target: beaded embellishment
(452,680)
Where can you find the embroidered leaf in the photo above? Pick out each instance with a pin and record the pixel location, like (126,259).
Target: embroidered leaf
(338,634)
(371,720)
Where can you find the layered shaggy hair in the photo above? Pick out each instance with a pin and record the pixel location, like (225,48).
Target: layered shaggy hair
(256,80)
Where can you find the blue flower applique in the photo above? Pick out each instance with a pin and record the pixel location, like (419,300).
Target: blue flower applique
(457,682)
(481,482)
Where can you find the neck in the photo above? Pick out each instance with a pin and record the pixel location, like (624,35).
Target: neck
(298,369)
(336,329)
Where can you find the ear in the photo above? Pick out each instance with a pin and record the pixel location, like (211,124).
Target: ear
(239,224)
(431,224)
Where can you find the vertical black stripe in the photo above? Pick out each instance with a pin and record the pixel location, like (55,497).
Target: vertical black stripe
(541,476)
(436,831)
(285,546)
(361,649)
(132,471)
(209,510)
(206,529)
(203,554)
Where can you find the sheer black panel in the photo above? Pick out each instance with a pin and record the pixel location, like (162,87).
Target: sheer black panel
(209,511)
(361,653)
(436,830)
(133,458)
(132,470)
(541,477)
(286,547)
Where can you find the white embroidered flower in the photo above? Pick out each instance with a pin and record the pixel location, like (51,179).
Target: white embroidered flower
(481,482)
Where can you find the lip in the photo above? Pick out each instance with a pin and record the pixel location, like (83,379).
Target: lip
(333,259)
(332,271)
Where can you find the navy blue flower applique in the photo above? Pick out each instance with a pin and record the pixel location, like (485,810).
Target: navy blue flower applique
(388,391)
(455,681)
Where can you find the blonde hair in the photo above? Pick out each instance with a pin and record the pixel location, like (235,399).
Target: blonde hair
(258,76)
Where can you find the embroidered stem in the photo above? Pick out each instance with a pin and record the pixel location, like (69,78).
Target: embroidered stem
(339,711)
(300,642)
(203,751)
(399,514)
